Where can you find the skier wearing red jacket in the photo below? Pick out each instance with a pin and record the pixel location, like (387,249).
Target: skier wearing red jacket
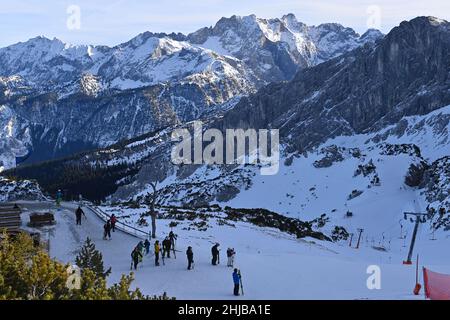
(113,222)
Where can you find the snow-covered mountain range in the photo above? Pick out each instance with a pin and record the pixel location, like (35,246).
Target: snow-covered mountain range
(87,96)
(268,49)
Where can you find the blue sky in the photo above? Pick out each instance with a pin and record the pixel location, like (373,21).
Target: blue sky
(114,21)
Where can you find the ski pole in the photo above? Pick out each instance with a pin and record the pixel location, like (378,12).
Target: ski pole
(240,281)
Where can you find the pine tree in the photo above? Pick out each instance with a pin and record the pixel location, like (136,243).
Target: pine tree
(92,259)
(28,272)
(121,290)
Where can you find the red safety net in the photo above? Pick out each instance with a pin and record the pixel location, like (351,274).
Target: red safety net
(437,285)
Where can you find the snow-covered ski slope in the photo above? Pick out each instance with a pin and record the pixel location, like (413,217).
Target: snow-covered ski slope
(279,266)
(274,265)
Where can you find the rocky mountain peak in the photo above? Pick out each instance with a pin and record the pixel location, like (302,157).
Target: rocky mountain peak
(372,35)
(403,74)
(425,20)
(336,27)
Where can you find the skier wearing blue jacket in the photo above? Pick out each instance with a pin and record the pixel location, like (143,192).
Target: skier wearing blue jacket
(236,281)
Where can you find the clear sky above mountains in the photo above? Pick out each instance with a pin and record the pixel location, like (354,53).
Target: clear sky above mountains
(114,21)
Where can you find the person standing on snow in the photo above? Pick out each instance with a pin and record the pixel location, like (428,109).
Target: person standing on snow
(58,198)
(230,256)
(215,254)
(190,257)
(157,250)
(147,246)
(78,213)
(136,255)
(107,230)
(166,244)
(172,237)
(113,222)
(236,281)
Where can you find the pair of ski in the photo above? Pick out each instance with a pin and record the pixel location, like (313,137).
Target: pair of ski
(174,254)
(163,259)
(132,264)
(240,282)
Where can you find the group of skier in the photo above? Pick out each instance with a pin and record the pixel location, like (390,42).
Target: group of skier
(109,226)
(237,279)
(137,255)
(215,252)
(168,244)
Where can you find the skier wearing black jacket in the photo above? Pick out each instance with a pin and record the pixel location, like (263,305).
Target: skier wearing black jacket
(215,254)
(136,255)
(190,257)
(107,230)
(172,237)
(78,213)
(147,246)
(166,244)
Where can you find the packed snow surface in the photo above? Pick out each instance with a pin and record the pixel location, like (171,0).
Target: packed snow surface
(274,265)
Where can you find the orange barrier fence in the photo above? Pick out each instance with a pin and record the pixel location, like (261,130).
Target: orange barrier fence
(437,285)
